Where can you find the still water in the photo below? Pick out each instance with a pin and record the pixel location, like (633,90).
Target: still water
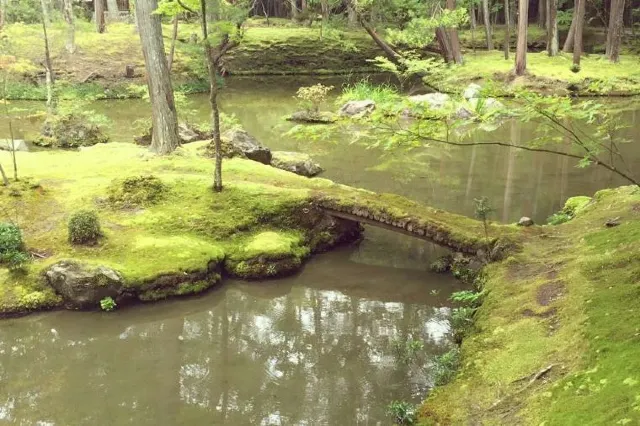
(318,348)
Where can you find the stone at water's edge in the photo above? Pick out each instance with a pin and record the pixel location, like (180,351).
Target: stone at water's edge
(18,145)
(434,100)
(357,108)
(295,162)
(308,117)
(486,104)
(472,91)
(243,144)
(82,286)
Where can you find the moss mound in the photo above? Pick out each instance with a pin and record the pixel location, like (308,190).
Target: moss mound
(84,228)
(70,131)
(136,191)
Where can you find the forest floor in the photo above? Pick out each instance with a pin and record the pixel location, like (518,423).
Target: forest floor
(97,68)
(263,224)
(557,339)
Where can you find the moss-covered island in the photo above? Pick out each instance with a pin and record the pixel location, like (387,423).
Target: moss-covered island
(163,231)
(557,339)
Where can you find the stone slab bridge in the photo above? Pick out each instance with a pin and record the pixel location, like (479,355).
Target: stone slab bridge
(399,214)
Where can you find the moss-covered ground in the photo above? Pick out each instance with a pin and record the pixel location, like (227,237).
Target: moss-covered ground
(264,223)
(568,301)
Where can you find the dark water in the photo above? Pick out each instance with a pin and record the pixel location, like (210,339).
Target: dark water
(314,349)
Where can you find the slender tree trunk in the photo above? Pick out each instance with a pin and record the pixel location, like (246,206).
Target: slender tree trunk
(294,10)
(174,37)
(71,26)
(213,99)
(454,41)
(164,117)
(521,48)
(472,17)
(5,179)
(45,11)
(351,14)
(48,67)
(112,7)
(487,24)
(445,45)
(507,29)
(542,13)
(616,27)
(512,15)
(552,27)
(577,37)
(99,11)
(568,43)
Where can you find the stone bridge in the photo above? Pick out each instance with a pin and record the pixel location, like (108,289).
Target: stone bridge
(398,214)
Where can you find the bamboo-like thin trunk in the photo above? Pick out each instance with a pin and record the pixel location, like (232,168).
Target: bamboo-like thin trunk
(507,30)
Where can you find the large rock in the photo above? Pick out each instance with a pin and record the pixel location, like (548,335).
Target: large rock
(433,100)
(82,286)
(472,91)
(295,162)
(188,133)
(525,221)
(18,145)
(241,143)
(357,108)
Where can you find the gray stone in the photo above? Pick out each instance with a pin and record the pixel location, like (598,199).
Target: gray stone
(434,100)
(248,146)
(463,113)
(357,108)
(82,286)
(18,145)
(486,104)
(472,91)
(525,221)
(295,162)
(309,117)
(188,133)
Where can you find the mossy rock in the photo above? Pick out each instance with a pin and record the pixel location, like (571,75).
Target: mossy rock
(575,205)
(309,117)
(136,191)
(70,131)
(267,254)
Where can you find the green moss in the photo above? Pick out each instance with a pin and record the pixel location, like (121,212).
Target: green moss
(182,289)
(569,302)
(136,191)
(575,205)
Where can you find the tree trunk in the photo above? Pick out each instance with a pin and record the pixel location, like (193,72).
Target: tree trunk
(472,17)
(552,27)
(542,13)
(45,11)
(3,9)
(174,37)
(99,8)
(445,44)
(568,43)
(67,12)
(5,180)
(521,48)
(507,29)
(487,23)
(351,14)
(294,10)
(512,15)
(164,117)
(51,101)
(577,37)
(112,7)
(454,41)
(616,27)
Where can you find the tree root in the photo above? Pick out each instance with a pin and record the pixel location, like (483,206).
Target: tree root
(533,379)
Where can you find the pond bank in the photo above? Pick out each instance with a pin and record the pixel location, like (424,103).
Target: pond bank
(556,340)
(172,235)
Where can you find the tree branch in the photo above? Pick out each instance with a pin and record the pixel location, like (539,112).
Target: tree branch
(185,7)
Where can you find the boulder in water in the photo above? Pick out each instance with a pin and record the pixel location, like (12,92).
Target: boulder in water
(472,91)
(295,162)
(312,118)
(82,286)
(357,108)
(239,142)
(18,145)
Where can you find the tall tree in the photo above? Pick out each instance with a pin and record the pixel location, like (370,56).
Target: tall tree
(507,29)
(454,40)
(48,67)
(112,8)
(552,27)
(487,24)
(164,117)
(67,12)
(568,43)
(616,27)
(521,48)
(542,13)
(577,35)
(99,12)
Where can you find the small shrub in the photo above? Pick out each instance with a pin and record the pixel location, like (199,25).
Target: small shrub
(559,218)
(70,131)
(362,90)
(482,211)
(409,351)
(136,191)
(445,366)
(441,265)
(468,298)
(84,228)
(403,413)
(461,321)
(310,97)
(108,304)
(12,247)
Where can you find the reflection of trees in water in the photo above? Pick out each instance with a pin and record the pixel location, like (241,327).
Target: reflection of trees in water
(314,356)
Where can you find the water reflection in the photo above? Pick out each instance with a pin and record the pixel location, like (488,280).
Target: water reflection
(314,349)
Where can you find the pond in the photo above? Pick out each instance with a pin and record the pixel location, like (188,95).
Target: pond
(314,349)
